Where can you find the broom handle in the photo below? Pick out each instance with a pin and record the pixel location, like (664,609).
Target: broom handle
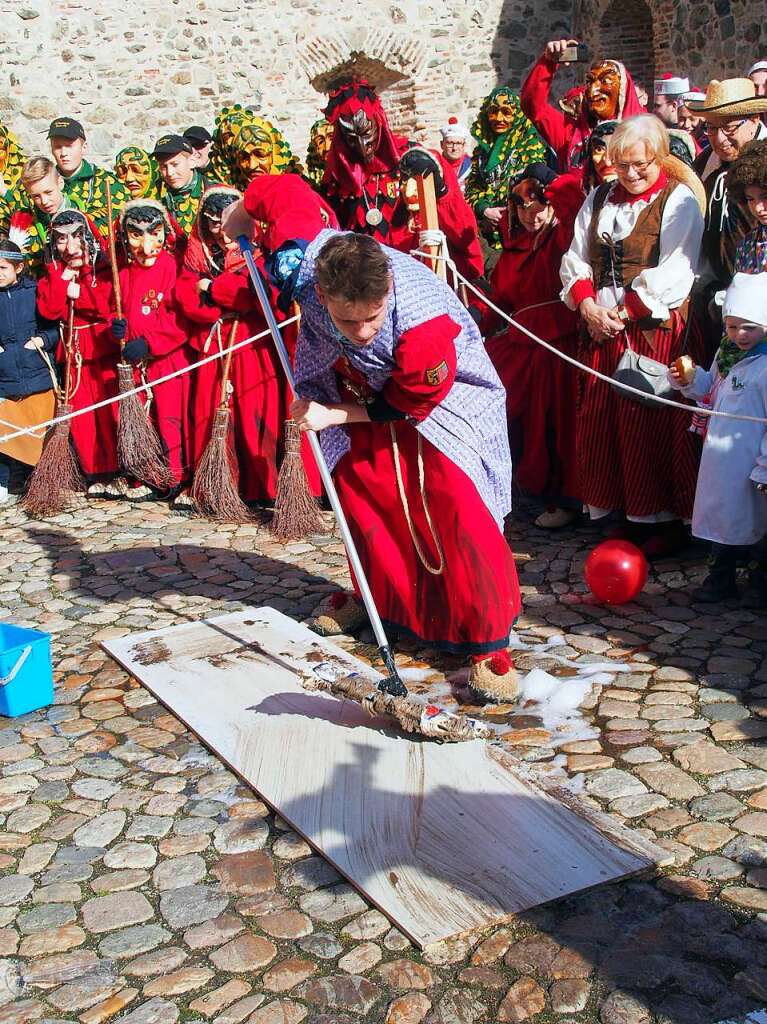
(227,363)
(113,261)
(68,344)
(393,684)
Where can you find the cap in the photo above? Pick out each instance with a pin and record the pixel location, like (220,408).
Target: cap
(454,131)
(747,298)
(198,136)
(671,86)
(170,145)
(761,65)
(65,128)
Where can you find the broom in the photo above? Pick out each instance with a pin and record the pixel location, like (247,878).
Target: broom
(214,488)
(57,477)
(139,448)
(390,696)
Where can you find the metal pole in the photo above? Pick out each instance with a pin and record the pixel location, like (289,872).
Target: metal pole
(393,684)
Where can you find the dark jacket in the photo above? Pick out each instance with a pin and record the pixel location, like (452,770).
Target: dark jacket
(23,371)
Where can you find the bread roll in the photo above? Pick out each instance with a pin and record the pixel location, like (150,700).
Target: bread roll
(685,367)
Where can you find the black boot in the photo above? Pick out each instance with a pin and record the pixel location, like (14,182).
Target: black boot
(719,585)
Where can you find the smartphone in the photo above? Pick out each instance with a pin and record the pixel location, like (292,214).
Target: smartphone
(576,54)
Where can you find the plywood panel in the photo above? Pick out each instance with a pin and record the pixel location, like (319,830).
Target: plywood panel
(443,839)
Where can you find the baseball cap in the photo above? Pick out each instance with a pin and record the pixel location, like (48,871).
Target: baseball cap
(198,136)
(65,128)
(170,145)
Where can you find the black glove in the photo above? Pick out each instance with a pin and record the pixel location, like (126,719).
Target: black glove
(476,314)
(119,328)
(136,349)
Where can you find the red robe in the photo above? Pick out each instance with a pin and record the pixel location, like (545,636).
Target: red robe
(150,308)
(540,387)
(565,134)
(260,395)
(95,433)
(470,607)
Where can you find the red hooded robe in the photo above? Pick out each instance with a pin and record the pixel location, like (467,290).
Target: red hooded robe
(564,134)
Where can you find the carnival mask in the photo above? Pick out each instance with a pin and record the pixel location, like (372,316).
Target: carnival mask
(603,168)
(135,174)
(323,137)
(145,239)
(418,162)
(255,153)
(603,85)
(501,114)
(361,134)
(69,245)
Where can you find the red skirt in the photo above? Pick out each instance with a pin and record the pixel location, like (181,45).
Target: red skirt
(540,406)
(171,409)
(94,434)
(471,606)
(638,458)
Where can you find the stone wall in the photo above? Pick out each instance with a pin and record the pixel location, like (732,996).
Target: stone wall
(703,39)
(132,71)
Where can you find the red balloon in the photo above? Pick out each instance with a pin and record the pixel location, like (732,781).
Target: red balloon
(615,571)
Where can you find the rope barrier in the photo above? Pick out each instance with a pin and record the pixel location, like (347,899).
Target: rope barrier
(458,277)
(692,409)
(142,387)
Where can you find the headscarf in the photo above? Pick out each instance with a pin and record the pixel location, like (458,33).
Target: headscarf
(200,255)
(230,124)
(140,156)
(344,175)
(14,159)
(514,149)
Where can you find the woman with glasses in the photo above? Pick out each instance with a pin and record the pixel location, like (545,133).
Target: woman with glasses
(540,387)
(628,273)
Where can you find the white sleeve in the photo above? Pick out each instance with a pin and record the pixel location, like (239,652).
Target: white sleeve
(701,384)
(575,265)
(666,286)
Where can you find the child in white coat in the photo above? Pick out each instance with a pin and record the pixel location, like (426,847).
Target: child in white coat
(731,495)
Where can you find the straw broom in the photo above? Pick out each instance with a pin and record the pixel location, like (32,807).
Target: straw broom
(139,448)
(56,478)
(296,511)
(214,488)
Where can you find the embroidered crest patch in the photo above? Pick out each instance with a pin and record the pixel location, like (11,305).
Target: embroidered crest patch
(437,374)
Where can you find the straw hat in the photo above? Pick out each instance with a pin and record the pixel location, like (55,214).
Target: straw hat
(732,97)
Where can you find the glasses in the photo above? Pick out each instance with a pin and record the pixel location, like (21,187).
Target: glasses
(640,167)
(729,131)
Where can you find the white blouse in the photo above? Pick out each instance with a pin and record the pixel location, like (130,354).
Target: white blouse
(660,288)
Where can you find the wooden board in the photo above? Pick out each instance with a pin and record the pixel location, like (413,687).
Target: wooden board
(443,839)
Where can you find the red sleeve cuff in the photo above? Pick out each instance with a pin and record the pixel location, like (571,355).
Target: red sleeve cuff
(634,306)
(582,289)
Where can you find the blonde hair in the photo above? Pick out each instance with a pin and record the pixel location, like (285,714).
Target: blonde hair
(646,128)
(37,168)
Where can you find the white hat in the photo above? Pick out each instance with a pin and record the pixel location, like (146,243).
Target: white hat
(761,65)
(694,97)
(454,130)
(670,86)
(747,298)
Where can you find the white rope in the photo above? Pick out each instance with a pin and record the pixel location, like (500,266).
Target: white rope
(143,387)
(692,409)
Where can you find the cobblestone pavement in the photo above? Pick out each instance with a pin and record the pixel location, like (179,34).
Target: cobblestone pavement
(140,881)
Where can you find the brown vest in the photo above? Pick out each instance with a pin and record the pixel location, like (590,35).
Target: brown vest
(618,263)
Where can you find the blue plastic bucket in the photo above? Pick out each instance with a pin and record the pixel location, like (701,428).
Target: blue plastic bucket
(26,673)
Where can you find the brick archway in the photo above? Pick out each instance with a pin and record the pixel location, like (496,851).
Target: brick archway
(625,32)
